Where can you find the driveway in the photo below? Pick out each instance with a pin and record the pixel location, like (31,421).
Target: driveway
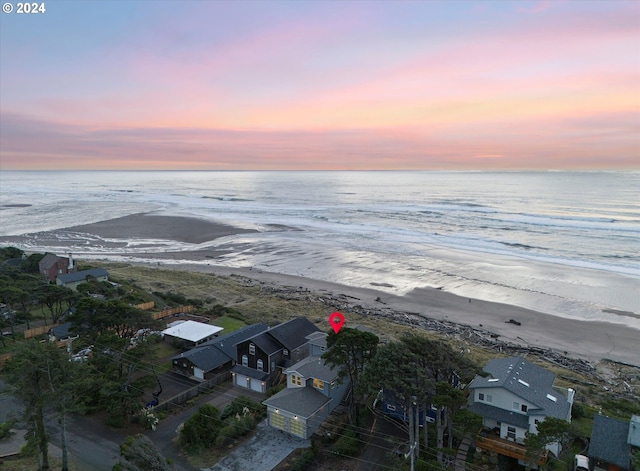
(262,452)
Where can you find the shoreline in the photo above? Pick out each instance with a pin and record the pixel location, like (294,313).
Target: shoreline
(203,240)
(592,341)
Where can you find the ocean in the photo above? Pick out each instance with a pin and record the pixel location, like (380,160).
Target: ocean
(565,243)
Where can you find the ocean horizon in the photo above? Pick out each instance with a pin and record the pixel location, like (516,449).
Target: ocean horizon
(565,243)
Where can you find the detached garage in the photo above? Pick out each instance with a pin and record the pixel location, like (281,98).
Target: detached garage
(191,333)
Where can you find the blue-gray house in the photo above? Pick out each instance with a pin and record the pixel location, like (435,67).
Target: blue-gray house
(312,393)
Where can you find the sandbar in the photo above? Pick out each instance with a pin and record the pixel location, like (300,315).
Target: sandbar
(153,226)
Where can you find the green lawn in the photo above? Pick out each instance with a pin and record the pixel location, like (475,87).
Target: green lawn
(229,324)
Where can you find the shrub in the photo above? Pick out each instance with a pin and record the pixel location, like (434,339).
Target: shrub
(304,461)
(5,429)
(201,429)
(577,410)
(347,444)
(242,406)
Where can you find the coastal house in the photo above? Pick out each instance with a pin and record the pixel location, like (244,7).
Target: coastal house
(393,406)
(512,399)
(215,356)
(612,442)
(72,280)
(51,266)
(259,358)
(312,393)
(190,333)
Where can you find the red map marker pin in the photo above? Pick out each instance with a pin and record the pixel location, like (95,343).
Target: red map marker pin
(336,320)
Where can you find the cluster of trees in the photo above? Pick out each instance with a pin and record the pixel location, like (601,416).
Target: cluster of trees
(23,290)
(418,371)
(44,379)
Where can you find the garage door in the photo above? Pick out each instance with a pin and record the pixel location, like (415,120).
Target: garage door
(256,385)
(277,421)
(297,428)
(198,373)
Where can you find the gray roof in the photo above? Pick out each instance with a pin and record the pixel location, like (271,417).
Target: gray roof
(303,402)
(206,358)
(609,441)
(61,332)
(215,353)
(48,261)
(250,372)
(291,334)
(314,367)
(501,415)
(266,343)
(528,381)
(318,338)
(227,343)
(82,275)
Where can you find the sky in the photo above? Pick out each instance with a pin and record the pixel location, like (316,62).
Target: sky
(215,85)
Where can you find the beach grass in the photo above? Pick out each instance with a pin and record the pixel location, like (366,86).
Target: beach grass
(258,302)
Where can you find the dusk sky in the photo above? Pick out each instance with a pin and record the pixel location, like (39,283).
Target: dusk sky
(451,85)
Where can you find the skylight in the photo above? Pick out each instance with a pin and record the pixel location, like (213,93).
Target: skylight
(523,382)
(552,398)
(493,380)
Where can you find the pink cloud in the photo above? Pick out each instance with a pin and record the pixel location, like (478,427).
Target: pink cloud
(493,145)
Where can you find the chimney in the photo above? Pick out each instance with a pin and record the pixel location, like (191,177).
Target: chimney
(70,267)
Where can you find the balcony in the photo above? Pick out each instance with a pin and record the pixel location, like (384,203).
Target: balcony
(507,448)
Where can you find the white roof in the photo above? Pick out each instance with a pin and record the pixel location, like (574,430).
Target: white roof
(192,331)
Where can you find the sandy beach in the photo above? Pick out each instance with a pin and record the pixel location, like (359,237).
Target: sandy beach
(591,340)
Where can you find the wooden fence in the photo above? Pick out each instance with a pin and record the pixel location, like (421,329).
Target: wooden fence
(145,306)
(184,396)
(171,312)
(43,329)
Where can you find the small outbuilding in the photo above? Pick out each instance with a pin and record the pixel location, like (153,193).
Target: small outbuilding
(191,333)
(72,280)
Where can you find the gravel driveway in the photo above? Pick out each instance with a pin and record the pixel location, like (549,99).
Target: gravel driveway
(262,452)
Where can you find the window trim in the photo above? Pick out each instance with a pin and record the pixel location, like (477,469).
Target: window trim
(245,360)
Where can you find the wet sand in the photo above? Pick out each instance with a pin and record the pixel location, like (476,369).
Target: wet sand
(153,226)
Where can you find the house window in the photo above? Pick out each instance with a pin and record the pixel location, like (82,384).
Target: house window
(245,360)
(252,349)
(485,397)
(524,408)
(391,408)
(259,365)
(511,433)
(333,384)
(297,380)
(516,406)
(318,384)
(285,352)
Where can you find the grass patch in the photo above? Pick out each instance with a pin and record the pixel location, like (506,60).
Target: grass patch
(164,350)
(229,324)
